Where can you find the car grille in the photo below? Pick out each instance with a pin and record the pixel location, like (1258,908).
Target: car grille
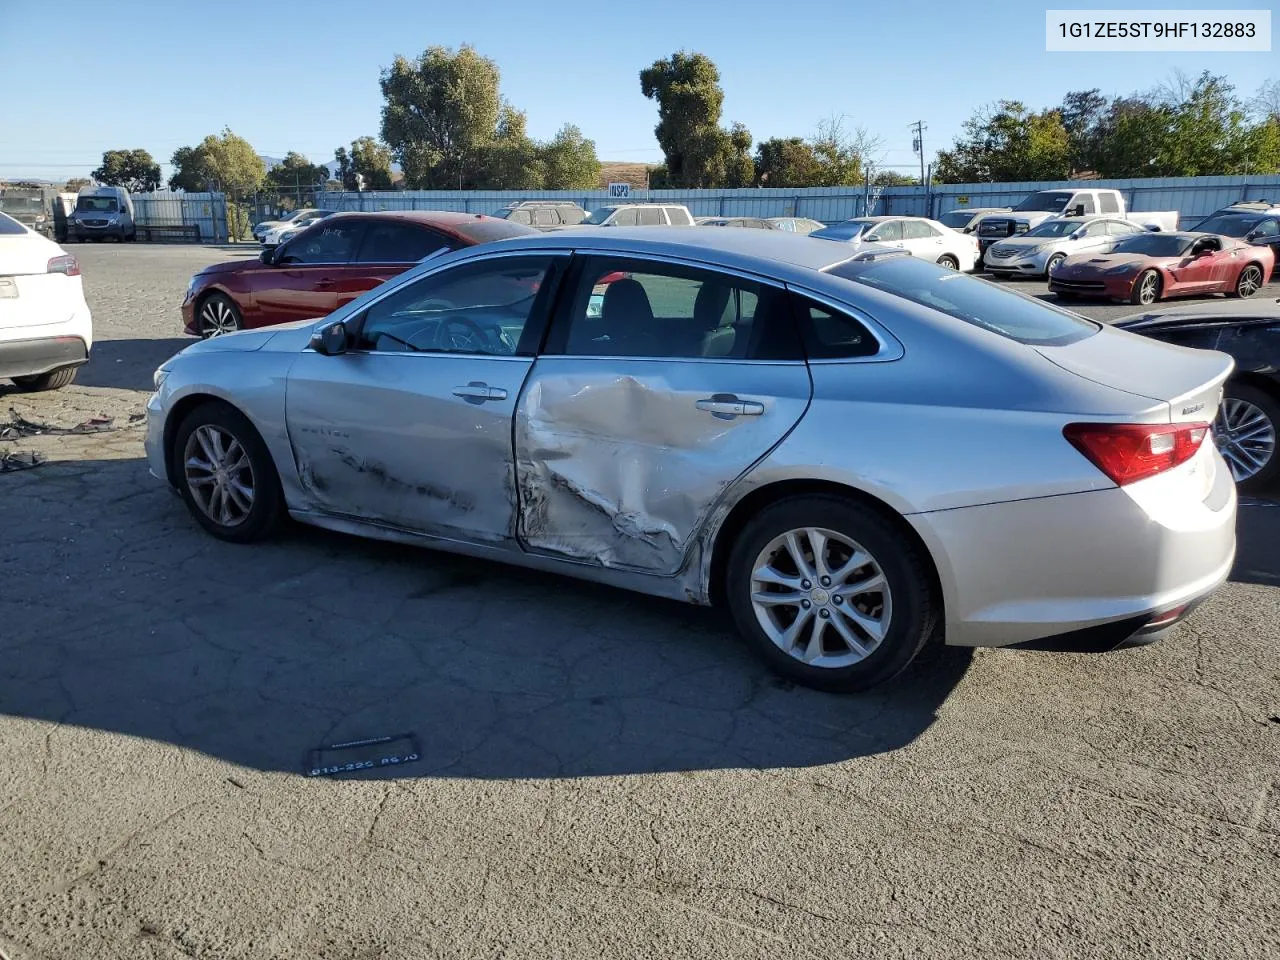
(94,223)
(1004,254)
(1084,286)
(995,228)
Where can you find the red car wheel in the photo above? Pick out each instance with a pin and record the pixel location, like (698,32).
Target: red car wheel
(1146,289)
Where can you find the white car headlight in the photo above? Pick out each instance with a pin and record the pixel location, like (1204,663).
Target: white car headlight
(160,376)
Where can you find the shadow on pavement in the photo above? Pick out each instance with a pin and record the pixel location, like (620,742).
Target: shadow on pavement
(120,614)
(128,364)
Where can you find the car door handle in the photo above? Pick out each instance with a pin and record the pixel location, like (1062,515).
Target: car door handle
(324,283)
(730,407)
(480,392)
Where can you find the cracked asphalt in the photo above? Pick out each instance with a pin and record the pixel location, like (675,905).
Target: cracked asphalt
(602,774)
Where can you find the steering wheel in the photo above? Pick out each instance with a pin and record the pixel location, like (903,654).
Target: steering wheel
(473,339)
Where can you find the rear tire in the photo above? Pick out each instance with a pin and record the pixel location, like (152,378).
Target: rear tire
(948,261)
(225,474)
(1249,282)
(791,625)
(1249,433)
(53,380)
(1146,289)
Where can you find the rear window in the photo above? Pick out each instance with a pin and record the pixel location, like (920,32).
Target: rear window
(1228,224)
(956,219)
(482,231)
(8,225)
(974,301)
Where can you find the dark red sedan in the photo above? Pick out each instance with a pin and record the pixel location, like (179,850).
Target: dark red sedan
(1155,266)
(327,265)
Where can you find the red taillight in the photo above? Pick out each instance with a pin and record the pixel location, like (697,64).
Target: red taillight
(66,264)
(1128,452)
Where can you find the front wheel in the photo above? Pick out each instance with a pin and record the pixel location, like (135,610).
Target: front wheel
(1245,434)
(1053,263)
(830,593)
(1249,282)
(1146,290)
(226,475)
(948,261)
(218,315)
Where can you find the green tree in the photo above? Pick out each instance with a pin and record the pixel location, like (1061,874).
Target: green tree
(295,172)
(346,174)
(135,170)
(441,113)
(786,162)
(1208,135)
(686,87)
(511,160)
(1084,115)
(223,162)
(569,161)
(372,160)
(1007,143)
(891,178)
(841,152)
(188,170)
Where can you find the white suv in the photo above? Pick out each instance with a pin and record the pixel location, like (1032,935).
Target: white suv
(640,215)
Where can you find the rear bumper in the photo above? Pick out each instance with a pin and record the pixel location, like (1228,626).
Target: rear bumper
(1090,570)
(25,358)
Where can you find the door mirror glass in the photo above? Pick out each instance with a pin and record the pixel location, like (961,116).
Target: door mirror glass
(331,339)
(267,256)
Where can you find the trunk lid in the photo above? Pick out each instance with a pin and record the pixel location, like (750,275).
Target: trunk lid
(1186,382)
(25,254)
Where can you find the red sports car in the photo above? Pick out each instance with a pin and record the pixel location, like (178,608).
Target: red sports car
(1154,266)
(327,265)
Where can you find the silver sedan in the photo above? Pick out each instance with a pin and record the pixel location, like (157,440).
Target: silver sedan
(854,452)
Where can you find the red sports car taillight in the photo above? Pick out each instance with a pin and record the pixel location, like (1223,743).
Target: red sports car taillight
(1129,452)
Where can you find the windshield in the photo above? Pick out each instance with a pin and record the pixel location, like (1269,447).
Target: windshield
(1154,245)
(21,204)
(842,231)
(98,204)
(482,231)
(1013,315)
(1050,201)
(1053,228)
(1228,224)
(597,217)
(957,219)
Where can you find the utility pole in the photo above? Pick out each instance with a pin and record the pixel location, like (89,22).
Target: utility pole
(917,144)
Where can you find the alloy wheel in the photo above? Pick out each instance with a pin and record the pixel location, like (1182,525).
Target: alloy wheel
(1245,436)
(1147,292)
(217,318)
(820,597)
(1250,281)
(219,474)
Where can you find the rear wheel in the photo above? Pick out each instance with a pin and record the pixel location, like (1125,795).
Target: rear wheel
(1245,433)
(226,475)
(53,380)
(948,261)
(218,315)
(1146,290)
(1249,282)
(830,593)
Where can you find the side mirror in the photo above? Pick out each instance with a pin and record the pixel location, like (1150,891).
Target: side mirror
(267,256)
(330,340)
(1079,210)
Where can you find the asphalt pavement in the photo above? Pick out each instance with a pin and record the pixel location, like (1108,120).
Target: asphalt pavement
(598,773)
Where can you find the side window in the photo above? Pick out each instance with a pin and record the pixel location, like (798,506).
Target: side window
(473,308)
(390,242)
(626,218)
(888,230)
(788,225)
(1268,228)
(1096,230)
(1085,200)
(917,230)
(545,217)
(1109,203)
(678,217)
(651,216)
(637,308)
(831,334)
(521,216)
(326,242)
(1118,228)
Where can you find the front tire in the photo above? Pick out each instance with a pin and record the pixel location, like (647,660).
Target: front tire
(1245,433)
(1056,259)
(218,315)
(830,593)
(1146,290)
(1249,282)
(53,380)
(948,261)
(225,474)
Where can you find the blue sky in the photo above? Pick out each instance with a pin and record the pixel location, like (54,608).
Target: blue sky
(305,76)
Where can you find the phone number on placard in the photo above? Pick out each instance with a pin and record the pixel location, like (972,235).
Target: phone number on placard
(1146,30)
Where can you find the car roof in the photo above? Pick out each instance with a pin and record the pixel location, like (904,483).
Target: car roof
(1263,308)
(758,251)
(439,218)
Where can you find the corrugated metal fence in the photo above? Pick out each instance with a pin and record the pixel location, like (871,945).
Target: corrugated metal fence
(171,208)
(1192,197)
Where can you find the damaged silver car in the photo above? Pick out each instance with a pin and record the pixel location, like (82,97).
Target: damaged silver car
(854,453)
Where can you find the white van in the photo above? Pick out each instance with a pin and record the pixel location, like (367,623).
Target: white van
(102,212)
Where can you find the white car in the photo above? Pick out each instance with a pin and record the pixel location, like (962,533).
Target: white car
(46,330)
(1039,250)
(260,230)
(921,237)
(278,235)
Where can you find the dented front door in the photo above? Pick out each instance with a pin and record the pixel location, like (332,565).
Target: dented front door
(620,459)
